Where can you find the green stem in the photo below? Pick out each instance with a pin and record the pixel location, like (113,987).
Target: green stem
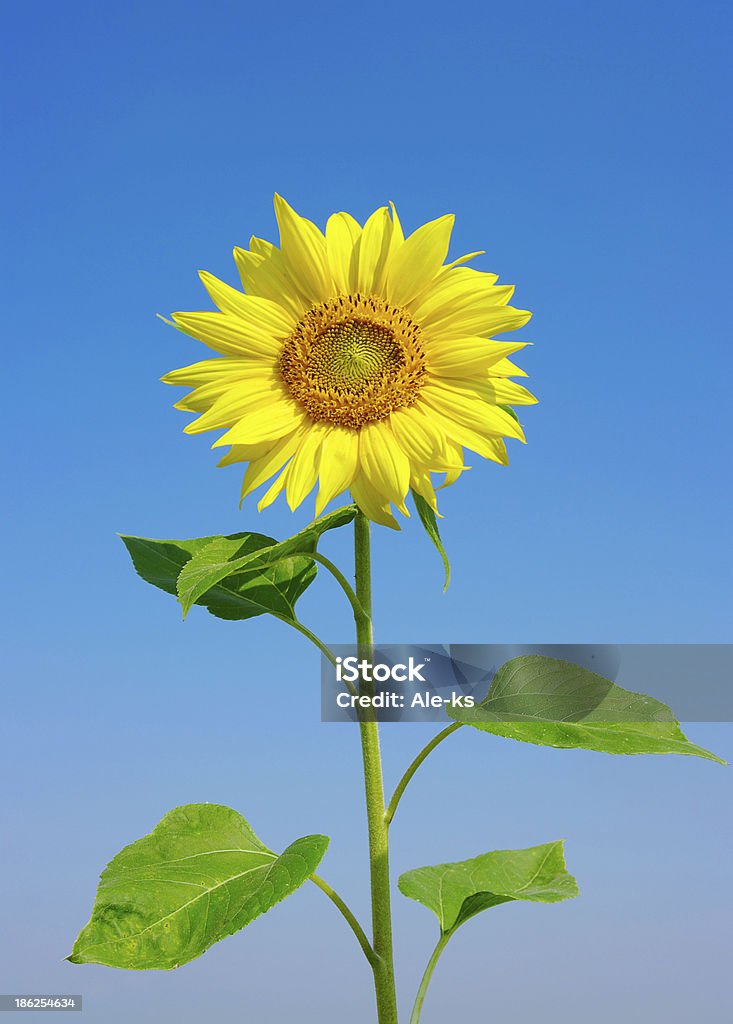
(350,917)
(325,651)
(421,992)
(404,781)
(384,979)
(359,612)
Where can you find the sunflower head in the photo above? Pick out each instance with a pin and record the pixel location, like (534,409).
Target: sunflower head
(357,360)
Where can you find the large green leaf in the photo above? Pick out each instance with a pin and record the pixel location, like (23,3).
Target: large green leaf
(430,524)
(200,875)
(557,704)
(456,892)
(225,557)
(273,589)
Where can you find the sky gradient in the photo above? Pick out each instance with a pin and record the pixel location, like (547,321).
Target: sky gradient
(583,148)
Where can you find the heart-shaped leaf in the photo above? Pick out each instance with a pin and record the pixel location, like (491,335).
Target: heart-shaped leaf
(225,557)
(557,704)
(200,875)
(273,589)
(458,891)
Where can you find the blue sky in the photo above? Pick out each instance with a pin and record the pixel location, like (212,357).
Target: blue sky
(584,148)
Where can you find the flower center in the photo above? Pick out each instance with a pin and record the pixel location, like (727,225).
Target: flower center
(353,360)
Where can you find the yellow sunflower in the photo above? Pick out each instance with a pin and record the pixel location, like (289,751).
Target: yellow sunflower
(359,360)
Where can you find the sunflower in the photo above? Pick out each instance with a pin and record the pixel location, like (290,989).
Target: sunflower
(358,360)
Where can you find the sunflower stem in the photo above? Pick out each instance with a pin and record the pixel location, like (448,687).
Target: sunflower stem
(422,991)
(384,978)
(405,780)
(350,917)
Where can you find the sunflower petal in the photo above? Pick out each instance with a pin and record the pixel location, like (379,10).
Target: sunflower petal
(506,368)
(418,260)
(245,453)
(303,470)
(506,392)
(384,464)
(372,250)
(235,403)
(201,399)
(304,251)
(265,421)
(467,357)
(210,370)
(420,481)
(267,276)
(230,335)
(261,246)
(482,318)
(398,235)
(466,407)
(342,234)
(421,438)
(272,459)
(371,503)
(485,444)
(265,312)
(453,474)
(274,490)
(337,465)
(461,287)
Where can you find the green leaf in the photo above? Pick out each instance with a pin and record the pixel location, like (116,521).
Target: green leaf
(557,704)
(242,596)
(456,892)
(223,557)
(200,875)
(257,589)
(430,523)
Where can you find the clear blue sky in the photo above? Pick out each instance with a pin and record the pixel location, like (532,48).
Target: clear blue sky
(584,146)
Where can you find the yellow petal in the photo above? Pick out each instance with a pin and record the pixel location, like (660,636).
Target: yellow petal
(272,459)
(210,370)
(418,260)
(203,398)
(245,453)
(303,469)
(371,503)
(371,250)
(261,246)
(337,465)
(421,439)
(266,421)
(483,442)
(420,481)
(235,403)
(453,474)
(465,406)
(450,284)
(274,490)
(266,313)
(466,357)
(229,335)
(481,318)
(506,392)
(304,251)
(469,256)
(342,233)
(506,368)
(267,276)
(398,236)
(461,288)
(384,464)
